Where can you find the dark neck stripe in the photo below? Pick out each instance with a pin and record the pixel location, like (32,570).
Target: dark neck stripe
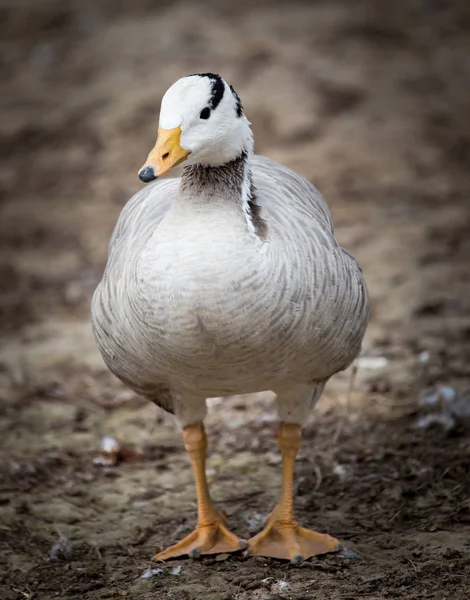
(228,177)
(225,180)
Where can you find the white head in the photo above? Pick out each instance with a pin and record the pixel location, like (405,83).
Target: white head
(201,122)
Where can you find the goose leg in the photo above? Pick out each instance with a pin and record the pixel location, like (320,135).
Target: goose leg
(211,536)
(282,536)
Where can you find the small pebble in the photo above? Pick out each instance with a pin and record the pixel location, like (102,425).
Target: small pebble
(260,559)
(424,357)
(109,452)
(256,521)
(61,549)
(444,420)
(149,573)
(222,557)
(372,362)
(348,553)
(444,393)
(176,570)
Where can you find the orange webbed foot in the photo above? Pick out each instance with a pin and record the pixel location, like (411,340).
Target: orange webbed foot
(282,536)
(210,537)
(288,540)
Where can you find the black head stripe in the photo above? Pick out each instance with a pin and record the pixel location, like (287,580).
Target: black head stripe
(238,103)
(218,88)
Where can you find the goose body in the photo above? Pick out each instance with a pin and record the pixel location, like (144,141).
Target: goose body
(228,280)
(194,301)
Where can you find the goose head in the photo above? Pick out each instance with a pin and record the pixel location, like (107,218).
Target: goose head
(201,122)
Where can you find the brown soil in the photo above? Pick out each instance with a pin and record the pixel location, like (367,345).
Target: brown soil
(369,102)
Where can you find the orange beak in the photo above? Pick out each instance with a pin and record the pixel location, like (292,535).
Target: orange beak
(166,154)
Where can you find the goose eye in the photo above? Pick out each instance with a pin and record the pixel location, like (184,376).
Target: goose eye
(205,113)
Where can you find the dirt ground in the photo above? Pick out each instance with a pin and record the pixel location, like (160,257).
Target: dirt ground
(370,103)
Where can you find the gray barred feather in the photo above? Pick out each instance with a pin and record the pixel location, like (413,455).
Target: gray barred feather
(194,304)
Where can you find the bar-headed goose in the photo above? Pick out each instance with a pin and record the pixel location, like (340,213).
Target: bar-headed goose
(228,280)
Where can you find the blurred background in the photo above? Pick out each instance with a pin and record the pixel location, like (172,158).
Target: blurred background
(370,101)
